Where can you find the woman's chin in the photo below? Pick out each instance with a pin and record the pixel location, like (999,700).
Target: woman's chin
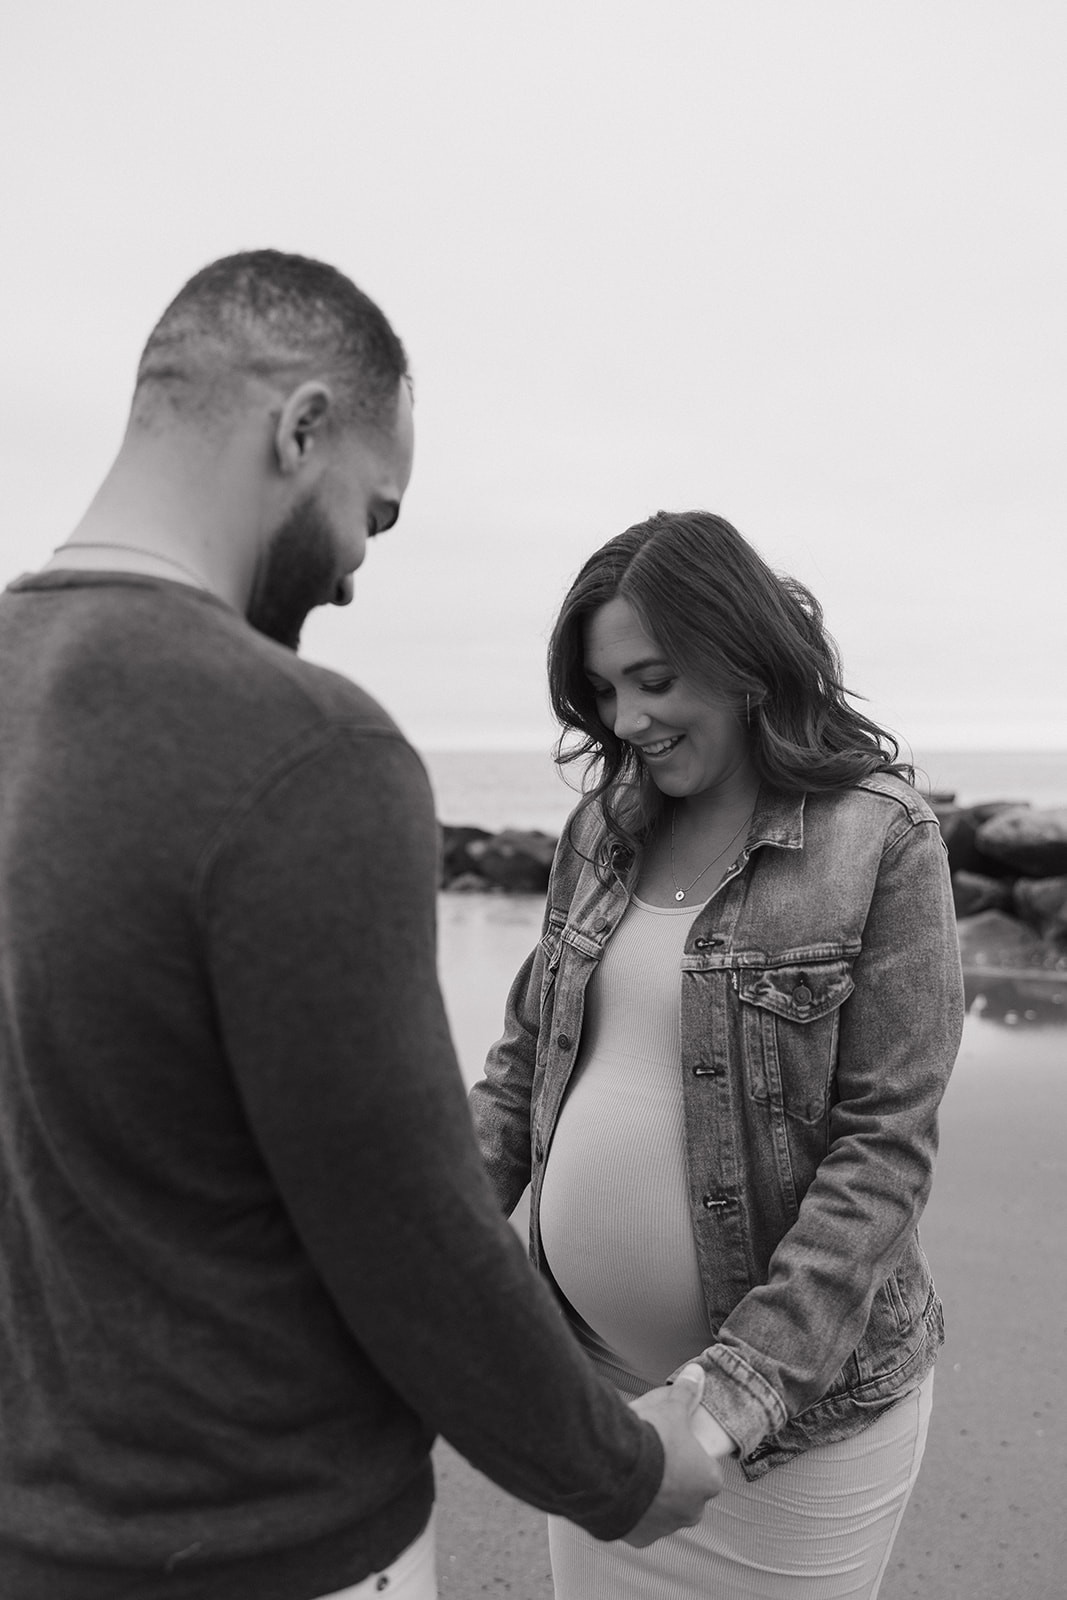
(672,784)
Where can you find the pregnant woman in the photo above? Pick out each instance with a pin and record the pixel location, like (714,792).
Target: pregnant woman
(722,1064)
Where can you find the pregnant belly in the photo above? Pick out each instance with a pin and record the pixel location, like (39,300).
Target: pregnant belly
(614,1218)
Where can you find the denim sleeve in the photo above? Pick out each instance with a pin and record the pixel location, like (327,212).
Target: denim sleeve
(501,1102)
(781,1347)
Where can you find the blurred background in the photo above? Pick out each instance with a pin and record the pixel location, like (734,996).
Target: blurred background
(798,263)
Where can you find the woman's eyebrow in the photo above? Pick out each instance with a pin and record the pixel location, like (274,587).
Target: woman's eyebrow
(636,666)
(647,661)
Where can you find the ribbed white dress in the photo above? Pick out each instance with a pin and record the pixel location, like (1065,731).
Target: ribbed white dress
(614,1203)
(617,1238)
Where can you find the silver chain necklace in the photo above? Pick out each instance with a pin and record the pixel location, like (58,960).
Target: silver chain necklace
(680,894)
(135,549)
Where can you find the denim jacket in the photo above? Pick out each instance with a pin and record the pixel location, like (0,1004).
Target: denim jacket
(821,1012)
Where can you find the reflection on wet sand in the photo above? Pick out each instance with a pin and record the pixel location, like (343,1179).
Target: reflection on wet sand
(1014,999)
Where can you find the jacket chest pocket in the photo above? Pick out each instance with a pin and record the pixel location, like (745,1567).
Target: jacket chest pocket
(790,1017)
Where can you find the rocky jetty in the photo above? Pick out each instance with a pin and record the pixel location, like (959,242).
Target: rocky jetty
(509,862)
(1009,879)
(1009,883)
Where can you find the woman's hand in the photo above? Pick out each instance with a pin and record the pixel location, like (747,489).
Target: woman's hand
(712,1435)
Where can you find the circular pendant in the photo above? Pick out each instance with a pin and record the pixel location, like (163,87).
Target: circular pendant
(680,894)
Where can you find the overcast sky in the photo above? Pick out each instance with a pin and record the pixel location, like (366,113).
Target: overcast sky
(801,262)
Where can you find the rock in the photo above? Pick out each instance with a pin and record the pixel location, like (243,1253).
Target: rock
(959,829)
(974,891)
(469,883)
(1042,904)
(516,862)
(939,799)
(992,939)
(1033,841)
(456,859)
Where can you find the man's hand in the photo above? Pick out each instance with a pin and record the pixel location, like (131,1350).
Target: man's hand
(691,1476)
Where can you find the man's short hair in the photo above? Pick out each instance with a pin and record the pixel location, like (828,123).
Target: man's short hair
(279,318)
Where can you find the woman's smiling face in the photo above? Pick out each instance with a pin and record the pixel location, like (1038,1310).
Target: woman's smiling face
(691,743)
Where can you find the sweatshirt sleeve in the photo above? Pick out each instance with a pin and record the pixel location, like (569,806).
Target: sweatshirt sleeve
(320,906)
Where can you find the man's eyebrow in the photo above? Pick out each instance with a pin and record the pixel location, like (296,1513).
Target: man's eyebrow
(385,515)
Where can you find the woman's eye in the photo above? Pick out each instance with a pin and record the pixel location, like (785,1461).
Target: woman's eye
(600,693)
(660,687)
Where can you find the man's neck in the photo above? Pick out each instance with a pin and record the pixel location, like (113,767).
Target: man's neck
(115,556)
(162,516)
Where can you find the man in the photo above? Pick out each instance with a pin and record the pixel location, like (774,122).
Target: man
(250,1262)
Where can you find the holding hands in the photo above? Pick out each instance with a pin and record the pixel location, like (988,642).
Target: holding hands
(694,1447)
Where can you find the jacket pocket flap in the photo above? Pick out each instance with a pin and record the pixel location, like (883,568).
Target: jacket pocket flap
(798,993)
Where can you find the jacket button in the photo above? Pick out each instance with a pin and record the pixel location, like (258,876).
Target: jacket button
(564,1041)
(600,924)
(802,995)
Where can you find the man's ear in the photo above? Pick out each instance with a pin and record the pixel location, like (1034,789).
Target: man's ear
(301,424)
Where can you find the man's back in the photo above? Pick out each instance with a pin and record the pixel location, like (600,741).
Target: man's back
(145,734)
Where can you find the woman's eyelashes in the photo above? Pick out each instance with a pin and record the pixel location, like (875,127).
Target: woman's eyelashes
(606,692)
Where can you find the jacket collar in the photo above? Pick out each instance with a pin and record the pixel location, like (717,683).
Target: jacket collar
(778,820)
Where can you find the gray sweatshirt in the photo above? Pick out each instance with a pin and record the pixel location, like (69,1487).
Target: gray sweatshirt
(249,1261)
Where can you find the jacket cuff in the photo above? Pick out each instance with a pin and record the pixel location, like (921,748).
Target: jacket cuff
(739,1399)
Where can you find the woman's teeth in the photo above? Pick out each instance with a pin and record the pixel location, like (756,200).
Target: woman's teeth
(662,747)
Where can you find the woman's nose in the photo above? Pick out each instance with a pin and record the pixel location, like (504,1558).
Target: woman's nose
(630,722)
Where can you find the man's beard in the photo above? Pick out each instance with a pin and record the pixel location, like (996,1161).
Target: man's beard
(298,573)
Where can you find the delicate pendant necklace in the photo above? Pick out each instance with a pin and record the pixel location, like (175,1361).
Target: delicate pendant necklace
(135,549)
(680,894)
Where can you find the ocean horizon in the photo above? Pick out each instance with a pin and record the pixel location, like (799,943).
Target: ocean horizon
(524,789)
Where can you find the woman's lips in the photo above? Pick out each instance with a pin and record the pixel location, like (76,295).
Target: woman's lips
(660,749)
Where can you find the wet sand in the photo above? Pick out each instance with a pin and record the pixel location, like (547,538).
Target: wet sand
(986,1521)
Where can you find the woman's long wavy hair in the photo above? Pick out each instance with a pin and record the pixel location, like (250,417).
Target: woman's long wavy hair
(724,621)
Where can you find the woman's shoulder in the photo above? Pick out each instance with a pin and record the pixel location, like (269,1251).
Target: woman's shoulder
(881,795)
